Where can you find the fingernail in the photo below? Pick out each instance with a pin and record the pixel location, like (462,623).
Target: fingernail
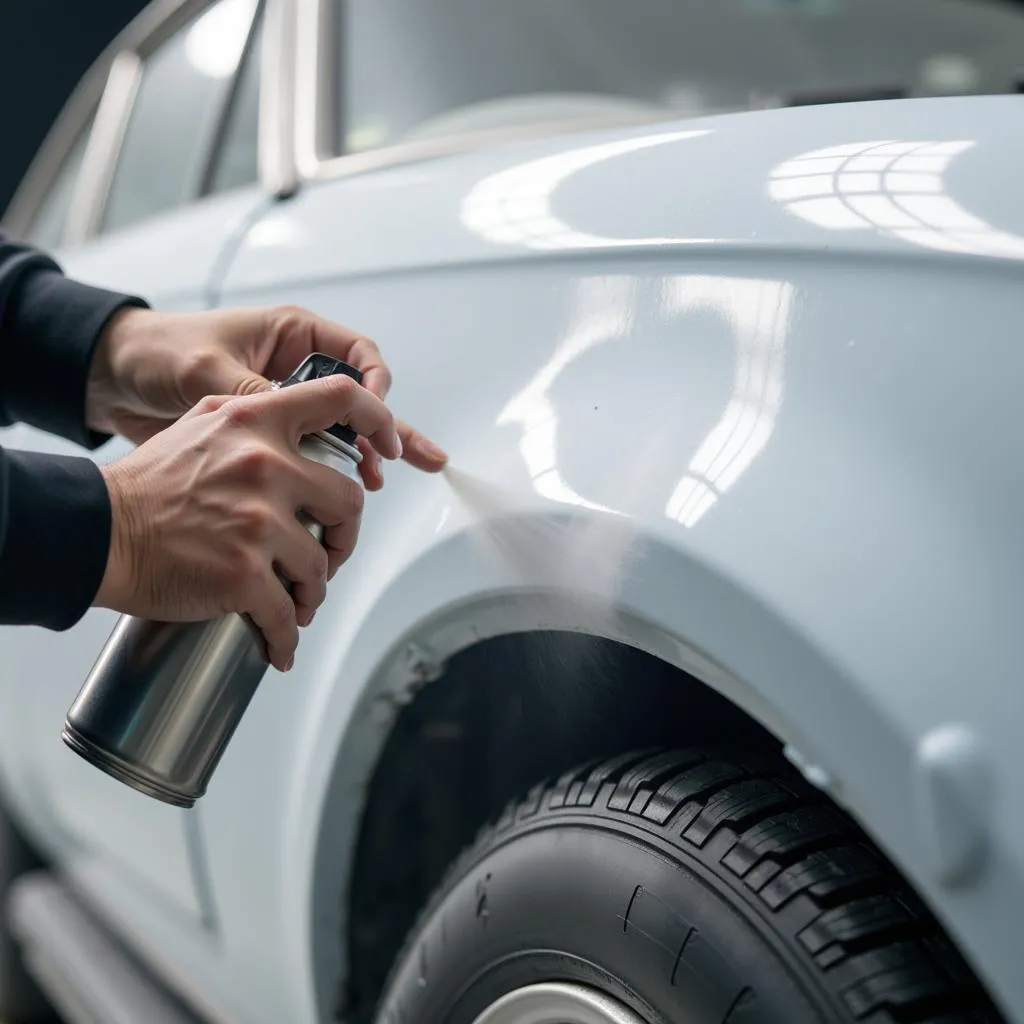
(398,445)
(431,449)
(291,661)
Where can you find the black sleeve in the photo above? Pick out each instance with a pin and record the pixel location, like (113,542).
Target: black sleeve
(54,510)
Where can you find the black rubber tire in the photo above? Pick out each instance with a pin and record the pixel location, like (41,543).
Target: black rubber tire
(695,888)
(21,1001)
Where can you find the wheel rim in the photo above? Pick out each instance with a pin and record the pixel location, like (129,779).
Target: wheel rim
(555,1003)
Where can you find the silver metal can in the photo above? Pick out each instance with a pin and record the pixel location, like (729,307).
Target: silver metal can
(164,698)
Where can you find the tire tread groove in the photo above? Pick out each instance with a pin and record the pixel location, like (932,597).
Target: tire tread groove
(797,856)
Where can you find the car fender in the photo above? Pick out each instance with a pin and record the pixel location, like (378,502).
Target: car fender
(728,419)
(838,587)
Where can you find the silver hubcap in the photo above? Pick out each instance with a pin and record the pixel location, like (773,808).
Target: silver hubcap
(556,1003)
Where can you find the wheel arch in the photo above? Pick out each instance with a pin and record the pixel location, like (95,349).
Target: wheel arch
(724,639)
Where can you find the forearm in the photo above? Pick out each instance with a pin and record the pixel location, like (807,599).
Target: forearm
(55,527)
(49,330)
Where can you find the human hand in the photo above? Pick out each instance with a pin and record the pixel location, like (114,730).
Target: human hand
(205,511)
(149,368)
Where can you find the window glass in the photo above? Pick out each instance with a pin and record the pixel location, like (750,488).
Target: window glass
(238,160)
(47,228)
(411,69)
(181,97)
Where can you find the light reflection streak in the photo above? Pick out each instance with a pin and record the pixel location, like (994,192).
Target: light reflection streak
(601,313)
(894,187)
(514,206)
(758,311)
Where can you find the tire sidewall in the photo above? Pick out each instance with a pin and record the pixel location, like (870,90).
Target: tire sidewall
(599,904)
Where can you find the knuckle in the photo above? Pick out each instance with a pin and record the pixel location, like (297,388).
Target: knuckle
(240,412)
(366,340)
(340,385)
(282,612)
(197,370)
(256,464)
(288,316)
(256,522)
(318,563)
(207,404)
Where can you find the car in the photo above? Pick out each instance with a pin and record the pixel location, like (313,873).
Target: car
(690,690)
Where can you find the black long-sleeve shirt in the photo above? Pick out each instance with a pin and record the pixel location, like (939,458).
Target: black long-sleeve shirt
(54,509)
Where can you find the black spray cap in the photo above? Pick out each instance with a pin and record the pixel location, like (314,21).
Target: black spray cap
(318,365)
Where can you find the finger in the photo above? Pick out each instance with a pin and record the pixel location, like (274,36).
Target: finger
(215,372)
(420,451)
(300,332)
(370,468)
(206,405)
(303,561)
(318,404)
(340,542)
(273,613)
(325,494)
(336,502)
(365,356)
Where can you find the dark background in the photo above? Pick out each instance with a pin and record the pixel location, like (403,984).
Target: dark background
(45,48)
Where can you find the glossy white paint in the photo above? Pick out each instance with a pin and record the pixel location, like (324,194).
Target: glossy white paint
(770,361)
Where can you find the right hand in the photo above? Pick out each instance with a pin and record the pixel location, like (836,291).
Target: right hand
(205,511)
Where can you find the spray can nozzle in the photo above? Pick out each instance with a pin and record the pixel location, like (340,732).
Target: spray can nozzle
(315,366)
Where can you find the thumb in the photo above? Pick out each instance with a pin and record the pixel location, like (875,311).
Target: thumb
(221,375)
(244,381)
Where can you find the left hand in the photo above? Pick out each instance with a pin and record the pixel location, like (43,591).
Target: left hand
(150,368)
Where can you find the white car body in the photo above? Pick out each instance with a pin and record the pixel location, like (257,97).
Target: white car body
(748,384)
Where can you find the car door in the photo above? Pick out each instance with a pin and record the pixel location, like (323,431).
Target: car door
(174,143)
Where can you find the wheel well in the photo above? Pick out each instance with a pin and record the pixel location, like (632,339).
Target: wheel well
(507,713)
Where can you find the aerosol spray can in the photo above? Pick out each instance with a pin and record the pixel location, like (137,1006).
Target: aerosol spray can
(164,698)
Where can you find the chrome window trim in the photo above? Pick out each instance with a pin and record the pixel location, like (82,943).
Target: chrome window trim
(176,14)
(278,173)
(313,101)
(215,147)
(104,146)
(108,89)
(82,103)
(315,59)
(42,170)
(466,142)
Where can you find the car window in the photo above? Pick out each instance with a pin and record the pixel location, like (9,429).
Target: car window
(181,96)
(237,162)
(50,219)
(414,70)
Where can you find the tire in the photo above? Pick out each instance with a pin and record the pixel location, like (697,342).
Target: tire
(21,1001)
(680,888)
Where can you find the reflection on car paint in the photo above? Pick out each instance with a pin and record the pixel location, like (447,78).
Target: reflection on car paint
(758,313)
(275,230)
(601,311)
(895,187)
(514,205)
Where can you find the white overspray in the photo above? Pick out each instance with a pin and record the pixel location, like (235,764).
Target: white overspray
(575,557)
(553,550)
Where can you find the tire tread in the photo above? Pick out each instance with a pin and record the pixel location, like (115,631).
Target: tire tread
(804,863)
(787,844)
